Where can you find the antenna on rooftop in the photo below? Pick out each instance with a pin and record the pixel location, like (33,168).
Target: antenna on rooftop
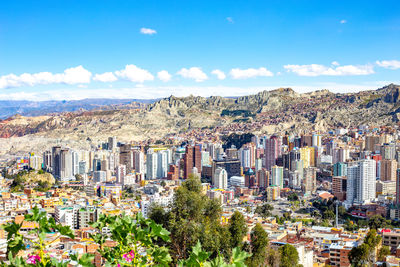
(337,214)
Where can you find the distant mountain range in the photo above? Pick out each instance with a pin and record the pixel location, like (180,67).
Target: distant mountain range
(9,108)
(277,111)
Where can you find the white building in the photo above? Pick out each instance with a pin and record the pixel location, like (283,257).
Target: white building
(151,165)
(120,173)
(361,182)
(220,178)
(237,181)
(139,161)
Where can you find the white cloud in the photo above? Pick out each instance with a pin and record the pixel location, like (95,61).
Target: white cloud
(343,21)
(230,20)
(194,73)
(250,73)
(389,64)
(335,63)
(105,77)
(164,76)
(134,74)
(74,75)
(220,74)
(318,70)
(147,31)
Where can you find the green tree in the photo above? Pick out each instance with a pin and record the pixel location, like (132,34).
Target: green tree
(289,256)
(238,229)
(258,246)
(157,213)
(192,218)
(163,183)
(365,253)
(293,197)
(383,252)
(264,210)
(328,214)
(377,221)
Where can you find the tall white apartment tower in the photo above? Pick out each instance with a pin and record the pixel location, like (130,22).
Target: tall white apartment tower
(151,165)
(361,182)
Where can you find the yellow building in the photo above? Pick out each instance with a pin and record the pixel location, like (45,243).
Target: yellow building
(307,155)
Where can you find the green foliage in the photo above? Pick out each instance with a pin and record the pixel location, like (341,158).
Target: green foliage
(193,217)
(364,254)
(198,257)
(135,235)
(289,256)
(293,197)
(328,214)
(238,229)
(238,140)
(258,246)
(264,211)
(16,241)
(377,221)
(383,252)
(42,186)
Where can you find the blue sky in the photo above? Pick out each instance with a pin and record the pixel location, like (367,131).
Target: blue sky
(150,49)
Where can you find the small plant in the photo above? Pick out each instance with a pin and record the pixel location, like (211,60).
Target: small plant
(36,239)
(199,257)
(136,239)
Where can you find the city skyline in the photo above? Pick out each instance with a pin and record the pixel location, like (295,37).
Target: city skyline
(150,50)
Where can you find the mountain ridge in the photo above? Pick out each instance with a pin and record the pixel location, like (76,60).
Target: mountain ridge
(279,110)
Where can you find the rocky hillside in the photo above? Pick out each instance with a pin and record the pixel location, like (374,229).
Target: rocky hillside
(266,112)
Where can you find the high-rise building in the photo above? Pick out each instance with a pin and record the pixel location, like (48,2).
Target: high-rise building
(273,149)
(126,158)
(277,176)
(120,173)
(361,182)
(388,151)
(340,169)
(65,165)
(112,143)
(295,179)
(339,187)
(151,164)
(307,155)
(220,178)
(398,187)
(82,167)
(370,142)
(205,158)
(173,173)
(162,164)
(316,140)
(75,162)
(306,140)
(247,155)
(48,161)
(139,161)
(56,161)
(262,178)
(258,164)
(388,170)
(310,180)
(192,158)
